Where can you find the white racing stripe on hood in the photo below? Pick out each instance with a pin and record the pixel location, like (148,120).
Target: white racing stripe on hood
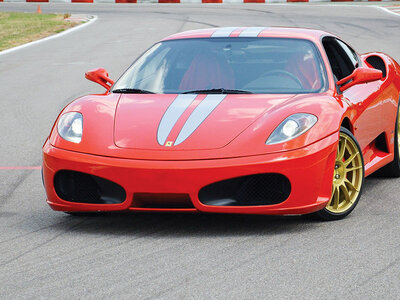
(223,32)
(172,115)
(201,112)
(251,32)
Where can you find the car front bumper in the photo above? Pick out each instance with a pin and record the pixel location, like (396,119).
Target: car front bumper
(309,170)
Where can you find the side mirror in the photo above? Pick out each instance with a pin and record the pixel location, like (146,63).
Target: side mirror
(100,76)
(360,75)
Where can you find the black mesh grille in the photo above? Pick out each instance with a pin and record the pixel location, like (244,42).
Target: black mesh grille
(260,189)
(158,200)
(80,187)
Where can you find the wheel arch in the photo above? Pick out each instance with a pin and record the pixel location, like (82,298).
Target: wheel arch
(347,124)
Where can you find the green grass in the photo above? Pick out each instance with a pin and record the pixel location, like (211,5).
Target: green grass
(20,28)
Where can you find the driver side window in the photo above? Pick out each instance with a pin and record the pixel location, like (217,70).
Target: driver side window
(350,53)
(342,58)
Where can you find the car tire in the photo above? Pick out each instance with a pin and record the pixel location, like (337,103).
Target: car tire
(393,169)
(348,178)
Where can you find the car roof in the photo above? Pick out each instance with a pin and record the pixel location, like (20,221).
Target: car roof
(232,32)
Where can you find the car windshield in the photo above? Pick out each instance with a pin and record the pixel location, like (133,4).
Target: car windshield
(226,65)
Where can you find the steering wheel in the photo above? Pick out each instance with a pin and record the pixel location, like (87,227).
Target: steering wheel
(284,73)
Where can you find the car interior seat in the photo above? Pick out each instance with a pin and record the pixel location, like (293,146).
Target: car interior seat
(208,71)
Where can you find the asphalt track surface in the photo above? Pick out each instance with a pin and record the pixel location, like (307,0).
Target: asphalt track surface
(47,254)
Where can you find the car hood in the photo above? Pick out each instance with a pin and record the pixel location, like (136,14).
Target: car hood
(187,121)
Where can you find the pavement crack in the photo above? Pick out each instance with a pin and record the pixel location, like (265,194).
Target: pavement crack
(15,185)
(40,245)
(381,271)
(29,233)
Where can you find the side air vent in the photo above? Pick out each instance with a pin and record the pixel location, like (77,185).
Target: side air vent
(377,63)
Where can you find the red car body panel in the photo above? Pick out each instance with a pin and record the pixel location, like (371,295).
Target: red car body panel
(99,121)
(125,152)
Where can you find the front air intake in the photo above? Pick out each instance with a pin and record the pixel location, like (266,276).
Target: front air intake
(252,190)
(80,187)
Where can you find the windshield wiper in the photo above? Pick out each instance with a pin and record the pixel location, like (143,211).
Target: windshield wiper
(131,91)
(218,91)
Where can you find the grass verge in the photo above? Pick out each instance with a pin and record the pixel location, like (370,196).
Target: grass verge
(20,28)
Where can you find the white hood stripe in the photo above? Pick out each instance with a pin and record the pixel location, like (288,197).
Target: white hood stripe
(251,32)
(172,115)
(201,112)
(224,32)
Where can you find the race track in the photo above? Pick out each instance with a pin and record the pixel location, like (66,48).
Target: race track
(47,254)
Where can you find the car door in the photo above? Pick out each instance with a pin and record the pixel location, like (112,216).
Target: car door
(364,99)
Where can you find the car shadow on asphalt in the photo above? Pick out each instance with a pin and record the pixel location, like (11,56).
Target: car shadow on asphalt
(185,224)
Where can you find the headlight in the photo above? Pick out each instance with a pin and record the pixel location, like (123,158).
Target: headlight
(70,127)
(292,127)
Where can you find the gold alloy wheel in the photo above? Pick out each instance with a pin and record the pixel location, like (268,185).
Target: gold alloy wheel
(348,175)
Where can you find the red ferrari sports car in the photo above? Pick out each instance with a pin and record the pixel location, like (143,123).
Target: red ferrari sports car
(230,120)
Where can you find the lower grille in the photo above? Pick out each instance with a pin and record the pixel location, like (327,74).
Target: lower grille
(252,190)
(158,200)
(80,187)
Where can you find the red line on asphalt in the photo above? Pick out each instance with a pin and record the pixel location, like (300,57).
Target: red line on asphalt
(21,168)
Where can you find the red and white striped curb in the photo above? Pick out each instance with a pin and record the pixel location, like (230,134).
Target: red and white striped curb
(393,9)
(186,1)
(78,18)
